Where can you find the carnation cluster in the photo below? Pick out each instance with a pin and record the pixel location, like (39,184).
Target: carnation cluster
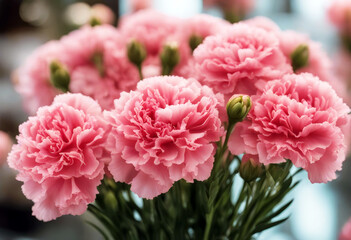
(161,103)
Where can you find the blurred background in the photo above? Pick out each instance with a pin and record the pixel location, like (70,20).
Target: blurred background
(319,210)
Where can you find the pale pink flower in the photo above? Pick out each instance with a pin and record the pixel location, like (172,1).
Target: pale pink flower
(137,5)
(299,118)
(151,28)
(201,25)
(339,13)
(241,59)
(163,132)
(346,232)
(5,146)
(115,73)
(32,79)
(264,23)
(60,156)
(103,13)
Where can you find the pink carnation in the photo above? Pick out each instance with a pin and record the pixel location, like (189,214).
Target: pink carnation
(299,118)
(264,23)
(103,83)
(241,59)
(151,28)
(32,80)
(103,13)
(200,25)
(346,232)
(60,156)
(5,146)
(340,14)
(163,132)
(137,5)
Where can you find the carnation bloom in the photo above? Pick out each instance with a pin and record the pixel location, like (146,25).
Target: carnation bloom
(103,13)
(32,80)
(340,14)
(163,132)
(346,232)
(99,63)
(241,59)
(5,146)
(137,5)
(60,156)
(299,118)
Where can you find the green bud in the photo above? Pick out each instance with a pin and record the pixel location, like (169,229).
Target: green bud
(59,76)
(276,171)
(232,16)
(194,41)
(110,201)
(250,170)
(238,108)
(299,57)
(170,57)
(98,60)
(136,53)
(95,22)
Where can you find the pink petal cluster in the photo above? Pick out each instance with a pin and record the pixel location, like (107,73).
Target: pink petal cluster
(241,59)
(137,5)
(76,52)
(299,118)
(346,232)
(163,132)
(339,13)
(5,146)
(103,83)
(319,64)
(60,156)
(32,80)
(200,25)
(103,13)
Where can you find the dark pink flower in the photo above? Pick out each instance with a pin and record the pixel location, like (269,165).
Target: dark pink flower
(163,132)
(241,59)
(346,232)
(60,156)
(299,118)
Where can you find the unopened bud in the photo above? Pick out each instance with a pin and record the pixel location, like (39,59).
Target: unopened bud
(299,57)
(59,76)
(136,52)
(238,107)
(250,169)
(98,60)
(94,21)
(170,57)
(232,16)
(194,41)
(110,201)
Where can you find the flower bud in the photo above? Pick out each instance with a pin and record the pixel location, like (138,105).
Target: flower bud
(110,201)
(59,76)
(94,21)
(194,41)
(170,57)
(299,57)
(136,53)
(98,60)
(250,169)
(238,107)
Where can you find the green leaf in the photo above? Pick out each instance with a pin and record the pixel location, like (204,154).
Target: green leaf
(262,227)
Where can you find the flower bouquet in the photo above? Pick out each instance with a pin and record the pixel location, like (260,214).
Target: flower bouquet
(177,129)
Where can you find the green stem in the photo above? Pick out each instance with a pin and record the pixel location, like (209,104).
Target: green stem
(140,72)
(209,219)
